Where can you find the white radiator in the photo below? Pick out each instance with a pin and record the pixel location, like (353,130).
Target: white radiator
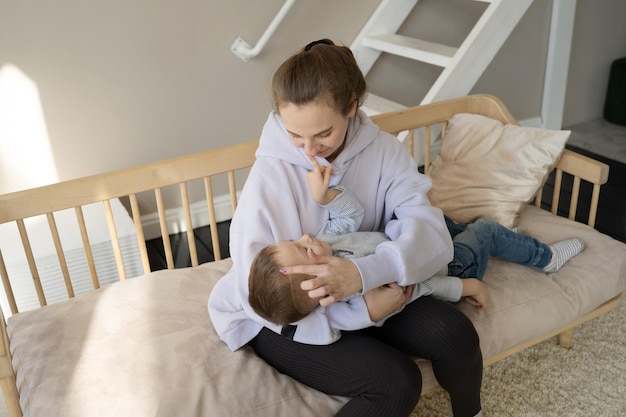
(47,262)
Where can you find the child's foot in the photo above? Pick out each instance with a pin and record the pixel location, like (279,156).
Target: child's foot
(562,252)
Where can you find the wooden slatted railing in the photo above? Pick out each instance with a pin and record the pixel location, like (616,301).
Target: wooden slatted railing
(206,167)
(580,167)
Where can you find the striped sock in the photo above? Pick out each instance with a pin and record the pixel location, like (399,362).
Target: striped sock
(562,252)
(521,230)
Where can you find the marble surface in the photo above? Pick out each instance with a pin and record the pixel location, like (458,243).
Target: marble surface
(600,137)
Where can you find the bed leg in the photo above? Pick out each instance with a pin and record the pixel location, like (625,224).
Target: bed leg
(11,397)
(565,338)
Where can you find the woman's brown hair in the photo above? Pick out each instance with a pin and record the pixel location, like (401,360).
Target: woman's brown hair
(320,70)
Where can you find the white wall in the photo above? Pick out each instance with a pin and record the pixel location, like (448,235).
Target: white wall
(129,82)
(516,72)
(599,39)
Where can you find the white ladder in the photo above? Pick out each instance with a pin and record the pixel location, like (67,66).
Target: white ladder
(462,66)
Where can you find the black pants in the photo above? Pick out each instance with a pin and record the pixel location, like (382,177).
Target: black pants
(374,366)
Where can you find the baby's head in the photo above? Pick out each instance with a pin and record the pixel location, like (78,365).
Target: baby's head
(275,296)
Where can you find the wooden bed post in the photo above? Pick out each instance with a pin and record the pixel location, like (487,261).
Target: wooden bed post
(565,339)
(11,397)
(7,375)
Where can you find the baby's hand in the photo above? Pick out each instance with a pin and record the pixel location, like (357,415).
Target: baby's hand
(476,292)
(386,299)
(319,181)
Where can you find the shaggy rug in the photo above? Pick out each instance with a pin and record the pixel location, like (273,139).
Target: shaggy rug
(549,381)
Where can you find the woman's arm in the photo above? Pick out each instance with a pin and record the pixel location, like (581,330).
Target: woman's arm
(394,197)
(420,244)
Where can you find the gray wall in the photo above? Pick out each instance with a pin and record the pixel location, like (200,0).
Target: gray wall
(128,82)
(599,39)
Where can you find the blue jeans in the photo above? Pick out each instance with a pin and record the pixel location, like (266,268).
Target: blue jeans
(475,242)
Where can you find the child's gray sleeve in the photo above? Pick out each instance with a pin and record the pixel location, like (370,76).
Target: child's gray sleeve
(445,288)
(442,287)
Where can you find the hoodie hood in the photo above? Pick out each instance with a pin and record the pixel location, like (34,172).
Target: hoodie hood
(275,142)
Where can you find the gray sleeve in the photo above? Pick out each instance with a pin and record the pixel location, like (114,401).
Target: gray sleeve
(443,287)
(345,214)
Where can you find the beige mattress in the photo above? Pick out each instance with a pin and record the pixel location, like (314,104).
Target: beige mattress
(146,347)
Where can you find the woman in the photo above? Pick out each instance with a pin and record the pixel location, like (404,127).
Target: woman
(317,94)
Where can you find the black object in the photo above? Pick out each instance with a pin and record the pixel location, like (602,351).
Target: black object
(615,104)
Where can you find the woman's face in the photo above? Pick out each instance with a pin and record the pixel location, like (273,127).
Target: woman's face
(316,127)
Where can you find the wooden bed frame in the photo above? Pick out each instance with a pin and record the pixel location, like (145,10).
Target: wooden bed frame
(221,165)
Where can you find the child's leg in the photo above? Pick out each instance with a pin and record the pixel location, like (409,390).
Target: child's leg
(483,239)
(453,227)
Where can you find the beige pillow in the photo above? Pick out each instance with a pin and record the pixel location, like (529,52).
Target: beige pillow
(486,169)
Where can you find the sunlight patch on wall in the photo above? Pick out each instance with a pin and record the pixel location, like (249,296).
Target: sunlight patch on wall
(26,159)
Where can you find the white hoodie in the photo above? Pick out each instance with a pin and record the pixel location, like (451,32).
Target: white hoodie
(276,205)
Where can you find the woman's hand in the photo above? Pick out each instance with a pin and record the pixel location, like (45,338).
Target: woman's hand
(335,278)
(386,299)
(476,292)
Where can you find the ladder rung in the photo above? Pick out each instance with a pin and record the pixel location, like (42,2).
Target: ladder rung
(376,105)
(417,49)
